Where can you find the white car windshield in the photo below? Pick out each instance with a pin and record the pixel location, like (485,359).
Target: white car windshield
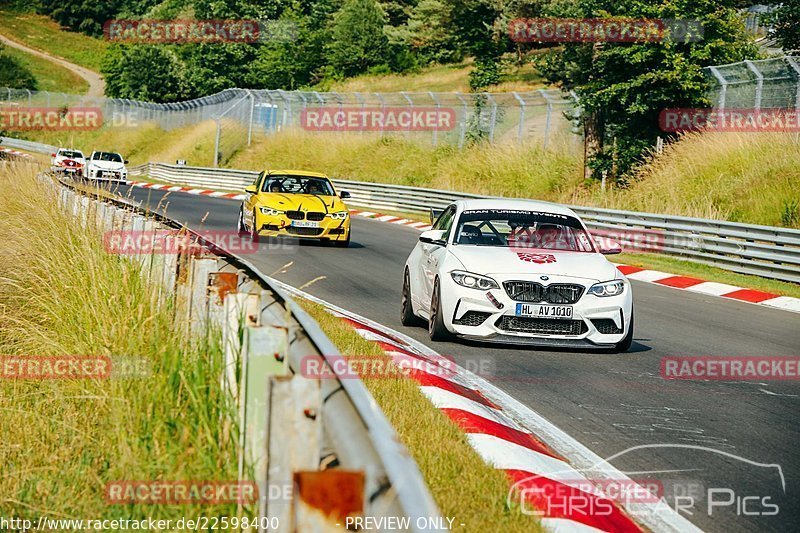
(107,156)
(522,229)
(70,154)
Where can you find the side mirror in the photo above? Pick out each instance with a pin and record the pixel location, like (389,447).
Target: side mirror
(608,246)
(433,236)
(344,195)
(251,189)
(125,162)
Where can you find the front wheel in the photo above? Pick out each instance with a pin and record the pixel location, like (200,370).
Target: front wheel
(254,236)
(241,229)
(345,243)
(436,328)
(625,344)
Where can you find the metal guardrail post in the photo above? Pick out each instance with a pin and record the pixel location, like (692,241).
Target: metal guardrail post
(521,116)
(436,129)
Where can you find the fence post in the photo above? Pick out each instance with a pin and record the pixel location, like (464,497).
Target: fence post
(723,91)
(465,109)
(250,121)
(216,143)
(547,119)
(521,116)
(796,67)
(494,116)
(759,83)
(436,128)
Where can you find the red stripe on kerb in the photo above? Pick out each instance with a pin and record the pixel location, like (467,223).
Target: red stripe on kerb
(231,195)
(628,269)
(429,380)
(472,423)
(553,499)
(206,192)
(679,282)
(750,295)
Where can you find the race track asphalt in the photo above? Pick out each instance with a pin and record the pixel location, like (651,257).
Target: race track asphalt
(608,402)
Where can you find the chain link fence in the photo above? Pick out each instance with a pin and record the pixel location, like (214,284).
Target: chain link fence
(763,84)
(241,115)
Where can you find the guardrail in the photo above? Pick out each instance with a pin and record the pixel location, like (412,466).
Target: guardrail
(766,251)
(29,146)
(291,427)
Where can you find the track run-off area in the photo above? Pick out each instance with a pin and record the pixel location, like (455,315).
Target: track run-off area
(617,405)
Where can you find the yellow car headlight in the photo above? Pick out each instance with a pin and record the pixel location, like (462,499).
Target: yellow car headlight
(339,215)
(271,212)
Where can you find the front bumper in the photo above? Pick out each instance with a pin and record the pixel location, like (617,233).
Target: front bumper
(596,322)
(107,175)
(282,226)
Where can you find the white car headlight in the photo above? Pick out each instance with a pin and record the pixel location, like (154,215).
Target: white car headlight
(339,215)
(608,288)
(270,212)
(473,281)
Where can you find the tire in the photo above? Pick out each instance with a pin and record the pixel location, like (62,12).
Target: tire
(345,243)
(407,316)
(254,236)
(241,229)
(436,329)
(625,344)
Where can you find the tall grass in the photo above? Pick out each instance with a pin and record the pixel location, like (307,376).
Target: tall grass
(63,440)
(742,177)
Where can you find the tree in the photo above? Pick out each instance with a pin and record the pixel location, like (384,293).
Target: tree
(623,87)
(13,74)
(87,16)
(785,21)
(145,72)
(358,42)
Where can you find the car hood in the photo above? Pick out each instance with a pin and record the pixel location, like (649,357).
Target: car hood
(301,202)
(520,261)
(107,165)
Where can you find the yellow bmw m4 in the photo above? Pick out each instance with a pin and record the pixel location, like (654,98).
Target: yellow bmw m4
(295,203)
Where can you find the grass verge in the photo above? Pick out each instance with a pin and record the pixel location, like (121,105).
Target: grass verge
(462,485)
(49,76)
(44,34)
(441,78)
(64,440)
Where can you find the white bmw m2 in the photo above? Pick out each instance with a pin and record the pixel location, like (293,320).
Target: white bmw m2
(518,272)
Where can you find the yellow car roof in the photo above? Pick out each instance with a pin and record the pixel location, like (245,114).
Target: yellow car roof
(296,173)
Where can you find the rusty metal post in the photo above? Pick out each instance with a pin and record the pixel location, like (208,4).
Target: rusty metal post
(294,439)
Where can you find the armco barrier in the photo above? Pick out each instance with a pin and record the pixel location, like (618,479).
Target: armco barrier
(766,251)
(292,428)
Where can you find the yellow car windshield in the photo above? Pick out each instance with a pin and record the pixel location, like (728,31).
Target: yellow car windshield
(298,185)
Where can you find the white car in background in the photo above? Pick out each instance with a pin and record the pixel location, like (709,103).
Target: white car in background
(518,272)
(106,166)
(68,161)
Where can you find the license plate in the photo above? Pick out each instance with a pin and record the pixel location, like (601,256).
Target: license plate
(544,311)
(109,174)
(305,224)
